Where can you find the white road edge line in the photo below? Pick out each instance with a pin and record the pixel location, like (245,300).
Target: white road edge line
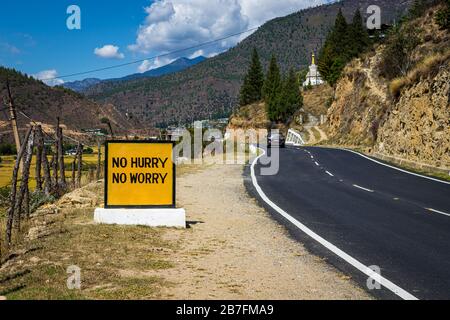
(347,258)
(437,211)
(395,168)
(329,173)
(362,188)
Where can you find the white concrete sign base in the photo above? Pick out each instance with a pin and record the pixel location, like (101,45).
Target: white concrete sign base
(174,218)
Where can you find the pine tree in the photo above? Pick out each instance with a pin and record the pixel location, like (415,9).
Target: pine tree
(343,43)
(339,37)
(272,89)
(251,90)
(417,9)
(442,17)
(291,99)
(336,50)
(359,37)
(245,95)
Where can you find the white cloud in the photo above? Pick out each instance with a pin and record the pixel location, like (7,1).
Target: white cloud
(49,77)
(159,11)
(260,11)
(109,52)
(147,65)
(176,24)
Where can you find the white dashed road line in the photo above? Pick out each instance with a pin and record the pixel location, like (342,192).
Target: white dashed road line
(362,188)
(437,211)
(329,173)
(317,164)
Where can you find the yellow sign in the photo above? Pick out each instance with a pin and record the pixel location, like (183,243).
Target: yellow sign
(139,174)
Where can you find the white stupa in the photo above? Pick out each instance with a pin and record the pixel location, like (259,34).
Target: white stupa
(313,77)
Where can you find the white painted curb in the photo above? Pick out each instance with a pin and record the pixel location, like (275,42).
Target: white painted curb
(174,218)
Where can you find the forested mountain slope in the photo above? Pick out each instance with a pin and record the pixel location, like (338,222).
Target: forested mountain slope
(211,88)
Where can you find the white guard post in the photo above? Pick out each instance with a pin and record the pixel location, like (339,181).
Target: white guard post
(173,218)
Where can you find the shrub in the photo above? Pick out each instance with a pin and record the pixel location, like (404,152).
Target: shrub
(443,17)
(397,59)
(396,86)
(426,68)
(37,199)
(88,150)
(7,149)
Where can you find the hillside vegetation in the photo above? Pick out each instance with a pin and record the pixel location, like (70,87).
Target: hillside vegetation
(211,88)
(395,99)
(44,104)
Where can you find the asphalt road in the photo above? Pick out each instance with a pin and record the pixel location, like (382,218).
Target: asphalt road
(377,215)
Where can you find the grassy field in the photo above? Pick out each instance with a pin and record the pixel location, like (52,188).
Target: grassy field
(7,165)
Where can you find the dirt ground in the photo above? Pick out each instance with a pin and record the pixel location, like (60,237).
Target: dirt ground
(231,250)
(240,252)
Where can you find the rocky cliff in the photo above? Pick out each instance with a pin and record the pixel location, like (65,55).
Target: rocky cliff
(407,118)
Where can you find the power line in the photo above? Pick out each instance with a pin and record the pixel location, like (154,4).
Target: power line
(151,58)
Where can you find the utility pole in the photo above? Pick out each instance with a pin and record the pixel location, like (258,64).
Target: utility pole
(13,118)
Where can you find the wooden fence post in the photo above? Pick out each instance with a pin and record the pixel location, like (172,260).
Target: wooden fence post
(47,176)
(54,165)
(23,192)
(39,149)
(12,197)
(99,158)
(80,164)
(74,182)
(55,160)
(60,153)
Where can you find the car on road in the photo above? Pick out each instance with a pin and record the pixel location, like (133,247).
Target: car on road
(276,139)
(71,152)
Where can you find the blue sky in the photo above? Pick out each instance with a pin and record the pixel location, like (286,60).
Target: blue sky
(34,37)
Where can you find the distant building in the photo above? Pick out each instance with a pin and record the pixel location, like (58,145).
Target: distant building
(313,77)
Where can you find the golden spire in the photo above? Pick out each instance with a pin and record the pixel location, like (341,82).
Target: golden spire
(313,58)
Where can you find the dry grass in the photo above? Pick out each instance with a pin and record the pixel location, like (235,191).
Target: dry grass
(253,116)
(426,68)
(116,262)
(316,100)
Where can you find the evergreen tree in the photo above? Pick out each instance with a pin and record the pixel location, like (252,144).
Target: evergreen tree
(290,99)
(343,43)
(417,9)
(251,90)
(359,37)
(245,95)
(272,88)
(443,16)
(340,38)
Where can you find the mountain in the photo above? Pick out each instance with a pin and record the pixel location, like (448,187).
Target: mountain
(81,85)
(44,104)
(175,66)
(211,88)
